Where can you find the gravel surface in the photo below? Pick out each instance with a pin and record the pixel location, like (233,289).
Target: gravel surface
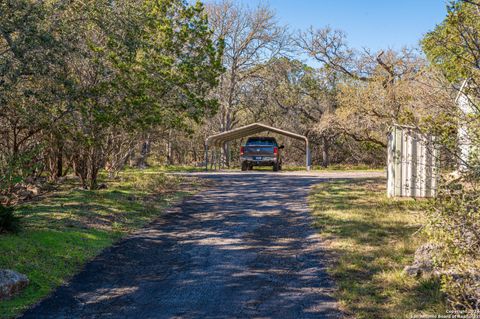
(244,248)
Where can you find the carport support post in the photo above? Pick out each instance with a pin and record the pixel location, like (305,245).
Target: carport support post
(307,156)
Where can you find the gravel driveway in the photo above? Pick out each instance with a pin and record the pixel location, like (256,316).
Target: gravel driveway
(244,248)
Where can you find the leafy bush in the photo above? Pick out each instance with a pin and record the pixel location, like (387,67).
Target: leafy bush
(13,170)
(454,223)
(8,221)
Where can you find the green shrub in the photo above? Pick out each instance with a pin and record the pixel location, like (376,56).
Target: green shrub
(454,223)
(8,221)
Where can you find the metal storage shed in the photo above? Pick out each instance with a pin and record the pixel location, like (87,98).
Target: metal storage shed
(221,138)
(412,163)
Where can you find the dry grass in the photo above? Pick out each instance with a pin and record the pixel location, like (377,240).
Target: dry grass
(372,238)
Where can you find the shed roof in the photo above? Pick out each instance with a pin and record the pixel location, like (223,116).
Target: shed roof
(220,138)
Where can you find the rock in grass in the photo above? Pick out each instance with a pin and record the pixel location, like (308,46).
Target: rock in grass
(423,261)
(11,283)
(102,186)
(412,270)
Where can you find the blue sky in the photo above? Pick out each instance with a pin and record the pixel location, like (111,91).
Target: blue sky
(374,24)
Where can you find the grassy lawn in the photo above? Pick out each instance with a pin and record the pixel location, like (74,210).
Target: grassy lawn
(171,168)
(66,229)
(371,239)
(346,167)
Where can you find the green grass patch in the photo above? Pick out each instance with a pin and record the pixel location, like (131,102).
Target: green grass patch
(62,231)
(347,167)
(170,168)
(371,238)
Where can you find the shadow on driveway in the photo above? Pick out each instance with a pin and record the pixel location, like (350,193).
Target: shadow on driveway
(242,249)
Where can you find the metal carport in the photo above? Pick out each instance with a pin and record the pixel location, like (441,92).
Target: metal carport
(221,138)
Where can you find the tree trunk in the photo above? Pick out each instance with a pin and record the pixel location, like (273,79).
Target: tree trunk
(226,154)
(325,152)
(93,168)
(194,154)
(142,160)
(60,161)
(169,148)
(132,159)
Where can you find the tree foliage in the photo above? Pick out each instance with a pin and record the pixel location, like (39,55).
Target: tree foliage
(78,78)
(252,37)
(454,219)
(454,45)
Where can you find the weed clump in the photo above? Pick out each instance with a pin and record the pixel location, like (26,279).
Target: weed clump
(9,222)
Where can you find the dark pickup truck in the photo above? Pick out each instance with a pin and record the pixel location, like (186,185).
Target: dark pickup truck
(261,151)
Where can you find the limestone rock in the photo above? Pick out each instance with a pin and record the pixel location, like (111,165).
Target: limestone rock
(11,282)
(33,189)
(423,261)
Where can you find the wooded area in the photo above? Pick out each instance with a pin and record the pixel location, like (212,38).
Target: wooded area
(102,85)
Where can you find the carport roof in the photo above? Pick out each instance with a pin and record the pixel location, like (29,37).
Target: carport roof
(219,139)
